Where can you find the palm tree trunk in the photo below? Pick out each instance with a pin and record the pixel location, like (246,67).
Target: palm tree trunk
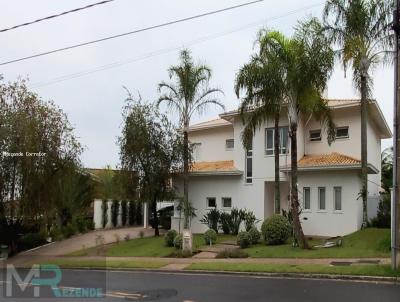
(276,156)
(364,155)
(185,176)
(294,196)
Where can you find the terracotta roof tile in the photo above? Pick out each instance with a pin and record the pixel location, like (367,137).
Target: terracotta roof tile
(326,160)
(215,166)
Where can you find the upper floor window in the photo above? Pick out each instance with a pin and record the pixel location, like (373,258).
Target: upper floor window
(342,132)
(229,144)
(249,165)
(315,135)
(283,140)
(196,151)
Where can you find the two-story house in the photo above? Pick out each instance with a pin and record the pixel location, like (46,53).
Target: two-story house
(225,175)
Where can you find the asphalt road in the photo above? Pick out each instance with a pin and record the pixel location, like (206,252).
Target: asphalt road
(154,286)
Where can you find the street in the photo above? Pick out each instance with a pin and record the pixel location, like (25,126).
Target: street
(156,286)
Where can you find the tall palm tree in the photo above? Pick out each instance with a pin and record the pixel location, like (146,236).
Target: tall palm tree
(188,95)
(262,81)
(307,60)
(362,30)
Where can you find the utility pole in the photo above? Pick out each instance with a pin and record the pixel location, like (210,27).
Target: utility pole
(396,146)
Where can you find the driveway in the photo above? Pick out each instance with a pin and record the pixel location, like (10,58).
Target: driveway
(79,242)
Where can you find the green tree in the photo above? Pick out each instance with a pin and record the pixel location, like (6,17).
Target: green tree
(189,94)
(307,60)
(153,148)
(362,31)
(262,81)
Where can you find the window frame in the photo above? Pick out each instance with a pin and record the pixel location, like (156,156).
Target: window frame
(315,139)
(222,202)
(226,144)
(334,199)
(249,155)
(283,150)
(304,199)
(319,199)
(208,202)
(342,128)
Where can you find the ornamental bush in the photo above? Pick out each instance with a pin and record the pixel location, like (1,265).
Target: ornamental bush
(254,235)
(243,239)
(210,236)
(178,241)
(276,230)
(169,237)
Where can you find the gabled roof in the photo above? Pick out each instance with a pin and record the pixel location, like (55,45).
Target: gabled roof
(214,168)
(333,161)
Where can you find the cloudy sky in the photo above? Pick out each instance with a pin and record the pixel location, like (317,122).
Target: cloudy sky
(88,82)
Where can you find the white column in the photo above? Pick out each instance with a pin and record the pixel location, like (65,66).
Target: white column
(109,223)
(97,213)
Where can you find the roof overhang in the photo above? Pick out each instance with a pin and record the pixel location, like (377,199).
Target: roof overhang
(371,168)
(216,173)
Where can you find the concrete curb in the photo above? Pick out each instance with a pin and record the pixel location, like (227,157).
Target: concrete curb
(333,277)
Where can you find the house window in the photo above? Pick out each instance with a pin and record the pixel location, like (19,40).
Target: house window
(196,151)
(229,144)
(269,140)
(321,198)
(315,135)
(306,198)
(211,202)
(226,202)
(342,132)
(337,191)
(249,165)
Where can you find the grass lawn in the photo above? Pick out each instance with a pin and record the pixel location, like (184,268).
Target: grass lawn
(365,270)
(68,263)
(146,247)
(368,243)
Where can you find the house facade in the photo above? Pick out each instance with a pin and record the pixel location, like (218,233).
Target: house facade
(225,175)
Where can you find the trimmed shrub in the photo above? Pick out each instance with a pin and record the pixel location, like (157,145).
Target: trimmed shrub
(210,236)
(225,222)
(232,253)
(114,212)
(55,233)
(243,239)
(276,230)
(178,241)
(89,224)
(80,224)
(254,235)
(104,210)
(169,237)
(69,230)
(124,212)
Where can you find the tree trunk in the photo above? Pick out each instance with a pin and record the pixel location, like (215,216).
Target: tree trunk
(276,156)
(364,155)
(294,196)
(185,176)
(155,221)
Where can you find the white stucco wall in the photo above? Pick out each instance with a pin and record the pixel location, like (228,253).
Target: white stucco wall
(212,141)
(329,222)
